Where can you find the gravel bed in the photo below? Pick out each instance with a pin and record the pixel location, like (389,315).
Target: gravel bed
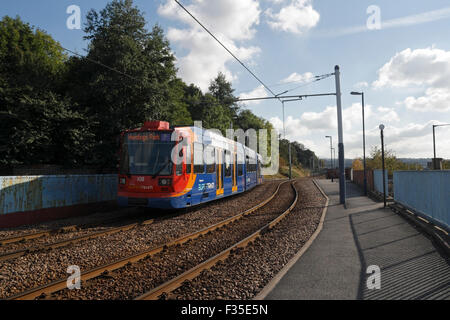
(94,218)
(37,243)
(247,271)
(39,268)
(135,279)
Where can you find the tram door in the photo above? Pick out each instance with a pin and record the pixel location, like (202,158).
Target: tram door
(234,188)
(219,172)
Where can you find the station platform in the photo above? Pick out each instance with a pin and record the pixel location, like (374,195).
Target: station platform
(335,266)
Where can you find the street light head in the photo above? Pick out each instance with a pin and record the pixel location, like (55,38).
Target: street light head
(327,136)
(354,93)
(381,127)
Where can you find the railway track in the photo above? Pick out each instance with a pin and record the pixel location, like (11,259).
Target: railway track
(62,243)
(24,237)
(46,290)
(164,289)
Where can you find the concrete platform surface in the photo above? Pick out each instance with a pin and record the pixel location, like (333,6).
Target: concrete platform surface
(341,261)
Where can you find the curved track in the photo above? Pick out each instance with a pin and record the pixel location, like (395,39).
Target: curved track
(171,285)
(44,291)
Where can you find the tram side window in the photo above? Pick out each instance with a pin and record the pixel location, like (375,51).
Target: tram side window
(199,166)
(240,169)
(251,165)
(210,160)
(228,167)
(188,159)
(179,166)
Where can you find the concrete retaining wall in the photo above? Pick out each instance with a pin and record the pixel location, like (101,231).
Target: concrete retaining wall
(25,194)
(426,192)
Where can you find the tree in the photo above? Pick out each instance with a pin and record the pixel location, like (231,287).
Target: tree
(39,124)
(177,108)
(357,164)
(222,91)
(391,162)
(28,56)
(141,87)
(446,165)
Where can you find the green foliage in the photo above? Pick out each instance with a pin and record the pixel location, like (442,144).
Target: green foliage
(390,161)
(63,110)
(38,124)
(446,165)
(300,156)
(145,86)
(29,57)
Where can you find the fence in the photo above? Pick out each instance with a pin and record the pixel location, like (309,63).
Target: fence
(425,192)
(358,178)
(378,180)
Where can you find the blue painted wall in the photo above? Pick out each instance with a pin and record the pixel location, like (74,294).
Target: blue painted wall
(28,193)
(378,180)
(426,192)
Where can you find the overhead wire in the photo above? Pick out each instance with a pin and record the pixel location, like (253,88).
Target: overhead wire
(304,84)
(228,50)
(97,62)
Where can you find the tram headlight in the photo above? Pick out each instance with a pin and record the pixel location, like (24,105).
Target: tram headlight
(165,182)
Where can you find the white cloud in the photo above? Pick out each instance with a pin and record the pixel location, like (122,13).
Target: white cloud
(295,128)
(259,92)
(415,19)
(429,67)
(296,77)
(361,85)
(436,99)
(327,119)
(415,139)
(297,17)
(232,20)
(387,114)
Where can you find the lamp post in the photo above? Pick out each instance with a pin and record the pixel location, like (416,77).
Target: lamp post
(331,154)
(364,139)
(334,156)
(434,143)
(382,160)
(284,128)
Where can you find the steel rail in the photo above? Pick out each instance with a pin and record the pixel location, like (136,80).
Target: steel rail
(175,283)
(34,235)
(63,243)
(48,232)
(93,273)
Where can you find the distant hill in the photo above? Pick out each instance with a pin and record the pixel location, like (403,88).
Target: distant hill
(420,161)
(347,162)
(423,162)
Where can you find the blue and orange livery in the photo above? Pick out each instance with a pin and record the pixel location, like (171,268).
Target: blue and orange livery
(208,166)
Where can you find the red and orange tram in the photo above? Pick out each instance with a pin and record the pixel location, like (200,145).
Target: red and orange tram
(177,167)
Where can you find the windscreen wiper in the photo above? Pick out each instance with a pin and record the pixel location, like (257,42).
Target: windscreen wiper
(161,169)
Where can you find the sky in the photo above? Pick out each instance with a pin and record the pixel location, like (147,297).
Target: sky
(396,52)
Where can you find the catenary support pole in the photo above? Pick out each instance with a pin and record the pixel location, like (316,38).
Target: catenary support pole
(382,161)
(364,147)
(340,137)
